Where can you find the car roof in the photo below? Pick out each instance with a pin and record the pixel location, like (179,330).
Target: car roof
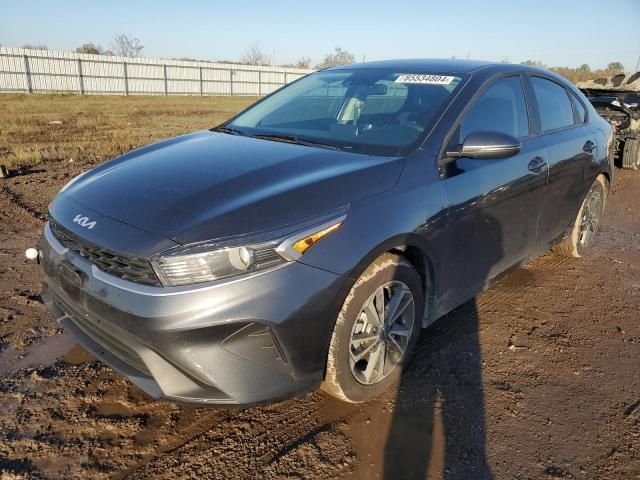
(441,65)
(453,66)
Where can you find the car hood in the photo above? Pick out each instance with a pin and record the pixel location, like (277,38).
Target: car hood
(209,185)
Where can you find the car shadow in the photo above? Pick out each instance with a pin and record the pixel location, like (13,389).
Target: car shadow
(439,412)
(438,423)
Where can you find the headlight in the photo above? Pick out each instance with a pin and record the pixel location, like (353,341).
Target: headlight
(202,264)
(207,261)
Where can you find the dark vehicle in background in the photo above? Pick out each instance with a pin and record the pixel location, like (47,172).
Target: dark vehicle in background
(306,241)
(617,100)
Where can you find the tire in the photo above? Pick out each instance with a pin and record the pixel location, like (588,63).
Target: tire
(359,381)
(587,220)
(631,154)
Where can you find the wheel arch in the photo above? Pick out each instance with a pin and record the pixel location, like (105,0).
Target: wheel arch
(416,251)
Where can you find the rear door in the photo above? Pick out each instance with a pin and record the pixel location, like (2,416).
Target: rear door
(494,204)
(571,146)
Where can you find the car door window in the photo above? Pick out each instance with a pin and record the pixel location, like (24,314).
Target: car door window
(553,104)
(501,108)
(579,110)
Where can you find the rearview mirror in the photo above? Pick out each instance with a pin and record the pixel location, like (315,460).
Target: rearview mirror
(377,89)
(486,145)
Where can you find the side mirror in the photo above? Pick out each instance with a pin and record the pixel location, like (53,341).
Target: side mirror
(486,145)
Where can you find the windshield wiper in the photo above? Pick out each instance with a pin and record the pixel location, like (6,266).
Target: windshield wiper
(297,140)
(229,130)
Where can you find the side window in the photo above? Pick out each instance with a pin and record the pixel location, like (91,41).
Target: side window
(501,108)
(553,104)
(579,110)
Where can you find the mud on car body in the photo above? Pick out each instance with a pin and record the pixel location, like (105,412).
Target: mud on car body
(306,241)
(617,100)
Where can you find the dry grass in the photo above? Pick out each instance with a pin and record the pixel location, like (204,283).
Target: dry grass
(99,127)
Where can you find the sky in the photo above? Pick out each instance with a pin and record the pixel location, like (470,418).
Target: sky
(555,32)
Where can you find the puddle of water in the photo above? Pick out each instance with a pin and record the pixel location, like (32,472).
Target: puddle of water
(78,355)
(45,353)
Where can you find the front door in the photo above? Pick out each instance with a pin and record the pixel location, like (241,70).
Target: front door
(494,204)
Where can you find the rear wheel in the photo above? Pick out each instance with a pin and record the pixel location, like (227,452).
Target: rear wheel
(376,330)
(587,221)
(631,154)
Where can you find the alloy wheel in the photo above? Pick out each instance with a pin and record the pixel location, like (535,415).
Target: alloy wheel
(590,218)
(381,333)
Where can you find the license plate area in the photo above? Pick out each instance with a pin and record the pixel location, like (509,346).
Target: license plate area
(68,277)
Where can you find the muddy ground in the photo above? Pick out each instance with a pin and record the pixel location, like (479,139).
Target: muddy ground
(538,378)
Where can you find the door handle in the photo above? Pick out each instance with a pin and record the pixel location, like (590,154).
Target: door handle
(537,164)
(589,146)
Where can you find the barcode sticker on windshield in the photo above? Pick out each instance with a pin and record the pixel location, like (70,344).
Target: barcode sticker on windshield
(424,78)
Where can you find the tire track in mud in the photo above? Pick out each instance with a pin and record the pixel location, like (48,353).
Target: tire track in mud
(16,199)
(177,440)
(501,293)
(246,444)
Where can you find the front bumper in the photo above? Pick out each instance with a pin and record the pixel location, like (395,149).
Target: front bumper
(242,341)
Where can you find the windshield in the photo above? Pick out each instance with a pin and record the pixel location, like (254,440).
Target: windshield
(369,110)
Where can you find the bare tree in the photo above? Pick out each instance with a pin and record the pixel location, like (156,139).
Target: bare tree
(254,55)
(35,47)
(91,48)
(302,62)
(338,57)
(125,46)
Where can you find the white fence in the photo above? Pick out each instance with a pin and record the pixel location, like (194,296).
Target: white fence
(43,71)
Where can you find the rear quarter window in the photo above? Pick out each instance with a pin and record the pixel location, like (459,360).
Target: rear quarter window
(553,104)
(579,110)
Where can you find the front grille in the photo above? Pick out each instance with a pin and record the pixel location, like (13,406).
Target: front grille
(134,269)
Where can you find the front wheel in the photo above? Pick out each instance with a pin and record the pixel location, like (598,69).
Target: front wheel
(376,330)
(587,222)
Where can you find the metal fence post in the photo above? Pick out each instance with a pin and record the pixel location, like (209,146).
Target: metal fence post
(285,77)
(164,74)
(27,74)
(126,79)
(80,79)
(200,79)
(259,83)
(231,82)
